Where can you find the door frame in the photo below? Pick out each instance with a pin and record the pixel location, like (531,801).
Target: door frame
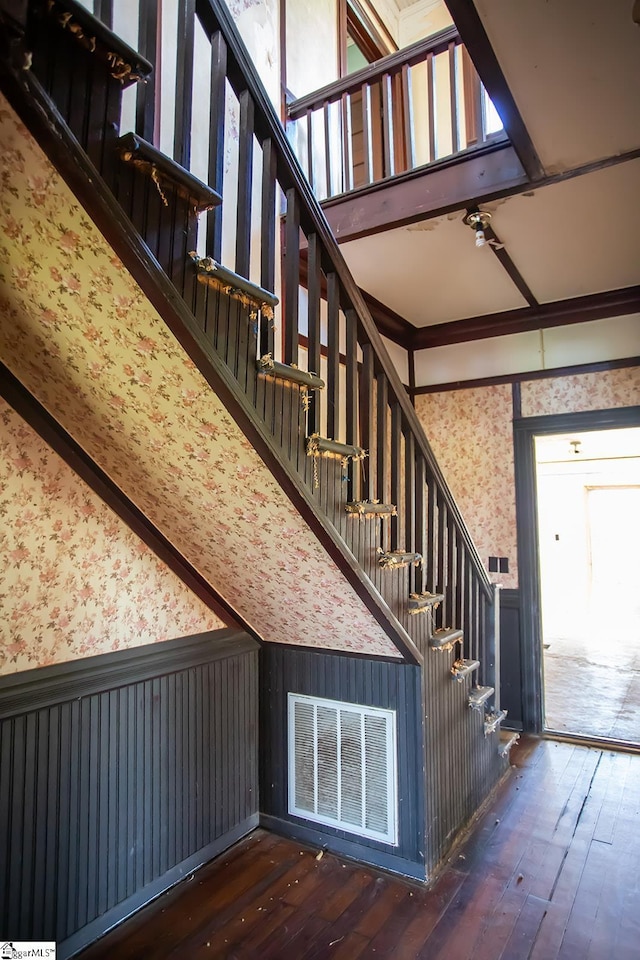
(525,430)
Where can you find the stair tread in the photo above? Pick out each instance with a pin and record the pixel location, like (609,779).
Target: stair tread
(133,148)
(507,739)
(125,63)
(395,559)
(210,269)
(493,720)
(370,508)
(287,371)
(480,695)
(316,443)
(462,668)
(422,600)
(445,636)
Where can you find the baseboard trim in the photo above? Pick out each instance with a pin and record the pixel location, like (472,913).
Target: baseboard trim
(118,914)
(344,848)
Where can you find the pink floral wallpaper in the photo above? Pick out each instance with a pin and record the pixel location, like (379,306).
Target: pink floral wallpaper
(74,580)
(79,333)
(471,435)
(582,391)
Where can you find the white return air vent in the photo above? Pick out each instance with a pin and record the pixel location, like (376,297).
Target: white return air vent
(342,766)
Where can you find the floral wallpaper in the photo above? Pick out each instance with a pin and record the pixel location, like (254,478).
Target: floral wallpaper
(471,435)
(74,580)
(582,391)
(78,332)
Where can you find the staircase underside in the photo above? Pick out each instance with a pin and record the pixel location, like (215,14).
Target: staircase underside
(79,333)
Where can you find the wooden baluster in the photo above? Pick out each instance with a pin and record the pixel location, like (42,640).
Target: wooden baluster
(481,132)
(431,98)
(453,88)
(441,571)
(382,437)
(351,399)
(347,143)
(367,133)
(396,436)
(327,147)
(408,126)
(310,163)
(410,501)
(387,126)
(291,276)
(184,83)
(265,392)
(245,170)
(472,91)
(468,622)
(313,326)
(333,355)
(216,141)
(420,522)
(459,606)
(431,533)
(451,571)
(149,22)
(488,615)
(268,237)
(366,419)
(478,632)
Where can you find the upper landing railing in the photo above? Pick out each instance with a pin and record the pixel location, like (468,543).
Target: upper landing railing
(206,109)
(418,105)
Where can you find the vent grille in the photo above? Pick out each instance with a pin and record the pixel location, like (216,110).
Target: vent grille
(342,766)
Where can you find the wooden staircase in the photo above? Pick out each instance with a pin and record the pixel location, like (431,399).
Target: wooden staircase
(315,384)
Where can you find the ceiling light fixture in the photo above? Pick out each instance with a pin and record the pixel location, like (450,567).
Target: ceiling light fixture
(478,220)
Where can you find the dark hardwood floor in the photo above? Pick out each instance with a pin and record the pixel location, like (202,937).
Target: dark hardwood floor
(550,870)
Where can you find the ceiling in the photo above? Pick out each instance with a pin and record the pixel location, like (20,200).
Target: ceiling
(566,240)
(623,443)
(573,70)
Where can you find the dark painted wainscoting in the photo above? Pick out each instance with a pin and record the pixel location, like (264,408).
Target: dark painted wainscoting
(376,683)
(120,774)
(510,658)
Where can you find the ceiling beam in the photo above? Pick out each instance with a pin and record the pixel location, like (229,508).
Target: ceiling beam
(502,255)
(472,177)
(465,180)
(516,378)
(467,20)
(594,306)
(389,323)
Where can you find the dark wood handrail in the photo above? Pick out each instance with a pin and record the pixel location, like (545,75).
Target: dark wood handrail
(242,75)
(408,56)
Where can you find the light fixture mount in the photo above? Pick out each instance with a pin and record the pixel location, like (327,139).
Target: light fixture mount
(478,217)
(478,220)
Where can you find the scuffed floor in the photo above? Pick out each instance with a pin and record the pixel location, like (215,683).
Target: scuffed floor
(549,872)
(592,685)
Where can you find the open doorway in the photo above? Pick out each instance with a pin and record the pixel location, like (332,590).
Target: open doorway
(588,507)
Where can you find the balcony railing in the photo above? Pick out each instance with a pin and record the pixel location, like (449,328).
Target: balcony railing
(407,110)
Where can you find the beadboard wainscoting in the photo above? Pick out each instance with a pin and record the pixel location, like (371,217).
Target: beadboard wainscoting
(120,774)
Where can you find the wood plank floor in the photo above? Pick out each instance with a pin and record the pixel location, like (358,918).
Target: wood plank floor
(549,872)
